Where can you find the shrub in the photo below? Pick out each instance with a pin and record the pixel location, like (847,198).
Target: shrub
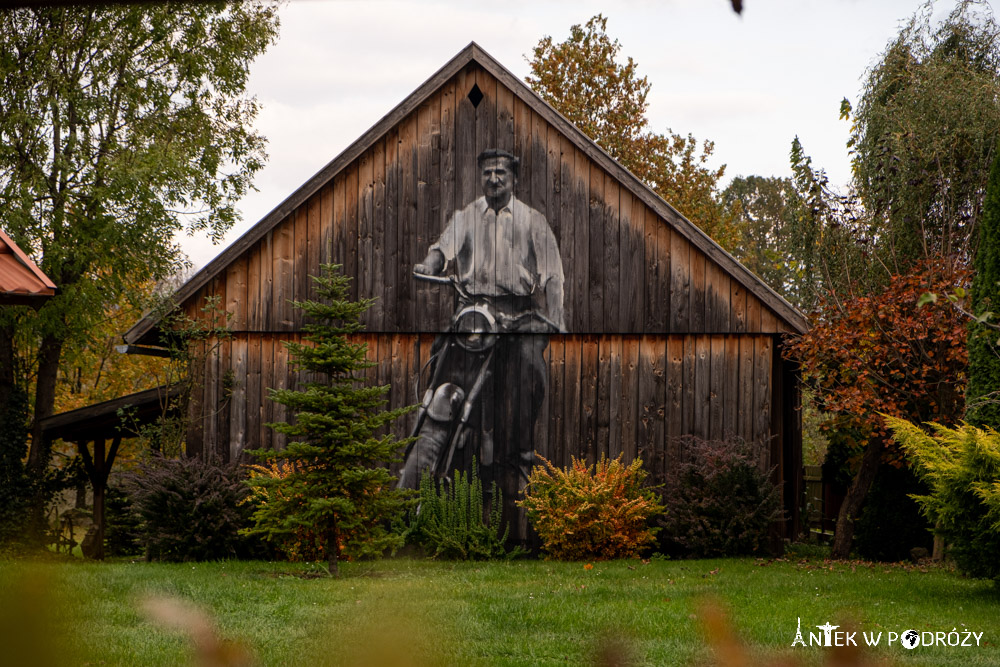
(718,501)
(962,468)
(453,522)
(189,508)
(596,512)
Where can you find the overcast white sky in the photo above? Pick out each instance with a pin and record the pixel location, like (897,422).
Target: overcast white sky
(750,83)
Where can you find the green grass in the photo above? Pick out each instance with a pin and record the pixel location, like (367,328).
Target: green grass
(520,613)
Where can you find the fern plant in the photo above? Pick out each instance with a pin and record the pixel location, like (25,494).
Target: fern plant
(452,520)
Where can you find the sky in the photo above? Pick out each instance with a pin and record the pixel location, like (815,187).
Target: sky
(750,83)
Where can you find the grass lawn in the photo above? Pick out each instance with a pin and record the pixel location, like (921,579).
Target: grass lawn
(412,612)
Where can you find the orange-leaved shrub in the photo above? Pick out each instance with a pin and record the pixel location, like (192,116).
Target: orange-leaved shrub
(593,512)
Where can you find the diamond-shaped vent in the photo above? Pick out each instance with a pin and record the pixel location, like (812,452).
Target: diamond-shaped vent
(475,95)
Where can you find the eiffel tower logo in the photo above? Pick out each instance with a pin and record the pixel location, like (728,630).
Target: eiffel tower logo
(798,636)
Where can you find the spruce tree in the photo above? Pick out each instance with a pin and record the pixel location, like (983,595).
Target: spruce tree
(337,485)
(982,394)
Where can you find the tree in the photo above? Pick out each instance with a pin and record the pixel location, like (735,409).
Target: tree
(924,135)
(120,125)
(982,397)
(885,354)
(606,99)
(779,240)
(336,480)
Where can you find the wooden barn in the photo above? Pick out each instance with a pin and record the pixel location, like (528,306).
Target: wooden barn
(651,331)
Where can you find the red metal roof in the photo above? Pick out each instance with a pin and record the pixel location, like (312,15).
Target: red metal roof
(21,281)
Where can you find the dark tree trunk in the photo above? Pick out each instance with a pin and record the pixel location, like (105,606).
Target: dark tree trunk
(45,395)
(844,535)
(6,363)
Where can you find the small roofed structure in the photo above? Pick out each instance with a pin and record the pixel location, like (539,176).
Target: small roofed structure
(108,421)
(21,281)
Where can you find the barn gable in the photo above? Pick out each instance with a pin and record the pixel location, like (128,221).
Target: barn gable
(666,335)
(638,266)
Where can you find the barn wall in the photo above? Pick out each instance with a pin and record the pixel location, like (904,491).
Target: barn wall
(607,395)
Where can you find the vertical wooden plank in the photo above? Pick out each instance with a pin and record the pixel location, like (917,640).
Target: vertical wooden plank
(224,380)
(680,284)
(505,124)
(702,386)
(366,222)
(390,303)
(675,396)
(236,294)
(486,112)
(689,411)
(339,234)
(554,182)
(768,320)
(714,304)
(194,436)
(327,237)
(738,303)
(596,260)
(300,263)
(254,299)
(618,274)
(746,409)
(540,194)
(581,243)
(283,285)
(698,262)
(604,395)
(557,399)
(424,231)
(377,317)
(254,398)
(467,175)
(238,398)
(762,389)
(266,384)
(753,314)
(633,264)
(650,356)
(657,290)
(569,229)
(615,394)
(430,219)
(630,397)
(588,398)
(447,203)
(573,393)
(267,311)
(314,246)
(730,409)
(351,239)
(717,387)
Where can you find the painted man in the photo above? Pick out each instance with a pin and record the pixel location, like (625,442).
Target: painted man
(502,253)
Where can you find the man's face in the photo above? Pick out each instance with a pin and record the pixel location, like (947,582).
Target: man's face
(497,179)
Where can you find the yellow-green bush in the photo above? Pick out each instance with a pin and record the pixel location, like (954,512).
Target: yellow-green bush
(597,512)
(962,468)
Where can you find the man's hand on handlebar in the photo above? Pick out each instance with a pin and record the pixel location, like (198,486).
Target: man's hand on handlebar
(432,264)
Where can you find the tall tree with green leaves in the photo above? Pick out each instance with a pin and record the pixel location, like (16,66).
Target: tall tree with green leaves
(582,78)
(982,395)
(335,482)
(120,126)
(924,134)
(779,238)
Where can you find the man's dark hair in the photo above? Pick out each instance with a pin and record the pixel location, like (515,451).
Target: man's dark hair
(493,153)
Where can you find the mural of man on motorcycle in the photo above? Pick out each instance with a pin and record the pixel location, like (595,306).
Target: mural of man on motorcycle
(503,261)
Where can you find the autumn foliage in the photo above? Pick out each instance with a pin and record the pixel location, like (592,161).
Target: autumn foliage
(591,512)
(886,354)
